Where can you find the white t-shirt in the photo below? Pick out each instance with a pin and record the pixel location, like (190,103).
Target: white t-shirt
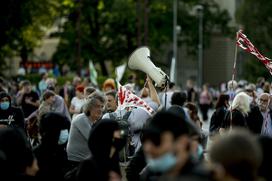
(77,103)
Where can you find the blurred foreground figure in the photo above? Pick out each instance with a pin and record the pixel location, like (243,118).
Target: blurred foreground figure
(17,161)
(51,153)
(236,156)
(170,149)
(105,142)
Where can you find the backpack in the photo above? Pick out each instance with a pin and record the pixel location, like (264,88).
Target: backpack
(128,150)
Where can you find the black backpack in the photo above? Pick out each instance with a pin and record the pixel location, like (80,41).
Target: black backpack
(128,150)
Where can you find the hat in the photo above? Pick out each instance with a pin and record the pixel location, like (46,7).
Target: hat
(109,83)
(80,88)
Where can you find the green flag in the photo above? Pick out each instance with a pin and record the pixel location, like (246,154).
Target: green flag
(93,73)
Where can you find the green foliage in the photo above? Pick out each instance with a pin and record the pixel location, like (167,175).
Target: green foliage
(103,30)
(107,29)
(254,69)
(23,24)
(256,18)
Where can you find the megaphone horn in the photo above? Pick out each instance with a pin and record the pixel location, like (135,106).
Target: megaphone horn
(140,60)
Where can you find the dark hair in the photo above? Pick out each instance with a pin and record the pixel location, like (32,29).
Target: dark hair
(16,151)
(165,121)
(111,93)
(177,110)
(50,126)
(89,90)
(25,83)
(4,94)
(47,94)
(239,154)
(171,85)
(178,98)
(43,74)
(101,136)
(192,107)
(221,100)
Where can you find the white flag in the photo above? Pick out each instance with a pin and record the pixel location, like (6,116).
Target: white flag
(120,70)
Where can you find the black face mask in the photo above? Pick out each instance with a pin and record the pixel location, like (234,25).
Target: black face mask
(119,143)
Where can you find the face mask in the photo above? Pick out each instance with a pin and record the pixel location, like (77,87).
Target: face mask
(119,143)
(4,105)
(63,136)
(199,153)
(163,163)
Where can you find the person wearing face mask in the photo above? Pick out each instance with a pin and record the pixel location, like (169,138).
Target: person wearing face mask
(10,116)
(105,142)
(170,149)
(51,153)
(263,103)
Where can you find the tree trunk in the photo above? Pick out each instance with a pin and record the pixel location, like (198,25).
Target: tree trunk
(103,68)
(24,54)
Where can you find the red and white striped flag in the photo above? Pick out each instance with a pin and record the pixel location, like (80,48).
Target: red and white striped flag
(127,99)
(243,42)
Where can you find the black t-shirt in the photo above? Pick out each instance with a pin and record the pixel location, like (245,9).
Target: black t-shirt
(29,108)
(238,119)
(190,92)
(13,117)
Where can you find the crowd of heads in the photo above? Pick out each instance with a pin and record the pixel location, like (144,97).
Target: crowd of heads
(75,131)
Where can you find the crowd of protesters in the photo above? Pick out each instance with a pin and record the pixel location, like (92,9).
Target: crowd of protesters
(79,132)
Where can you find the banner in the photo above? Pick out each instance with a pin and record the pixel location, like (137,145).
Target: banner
(127,99)
(244,43)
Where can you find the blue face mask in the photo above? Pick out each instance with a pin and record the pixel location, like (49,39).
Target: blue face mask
(200,151)
(64,134)
(163,163)
(4,105)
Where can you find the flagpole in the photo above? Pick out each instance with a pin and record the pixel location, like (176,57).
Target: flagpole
(232,79)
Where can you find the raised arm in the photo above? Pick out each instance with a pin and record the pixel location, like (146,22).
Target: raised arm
(152,91)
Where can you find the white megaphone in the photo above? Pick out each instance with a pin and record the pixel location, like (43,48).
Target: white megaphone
(140,60)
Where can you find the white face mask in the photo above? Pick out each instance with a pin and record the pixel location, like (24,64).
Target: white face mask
(64,134)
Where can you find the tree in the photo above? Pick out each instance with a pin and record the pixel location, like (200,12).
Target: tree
(23,24)
(256,18)
(108,29)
